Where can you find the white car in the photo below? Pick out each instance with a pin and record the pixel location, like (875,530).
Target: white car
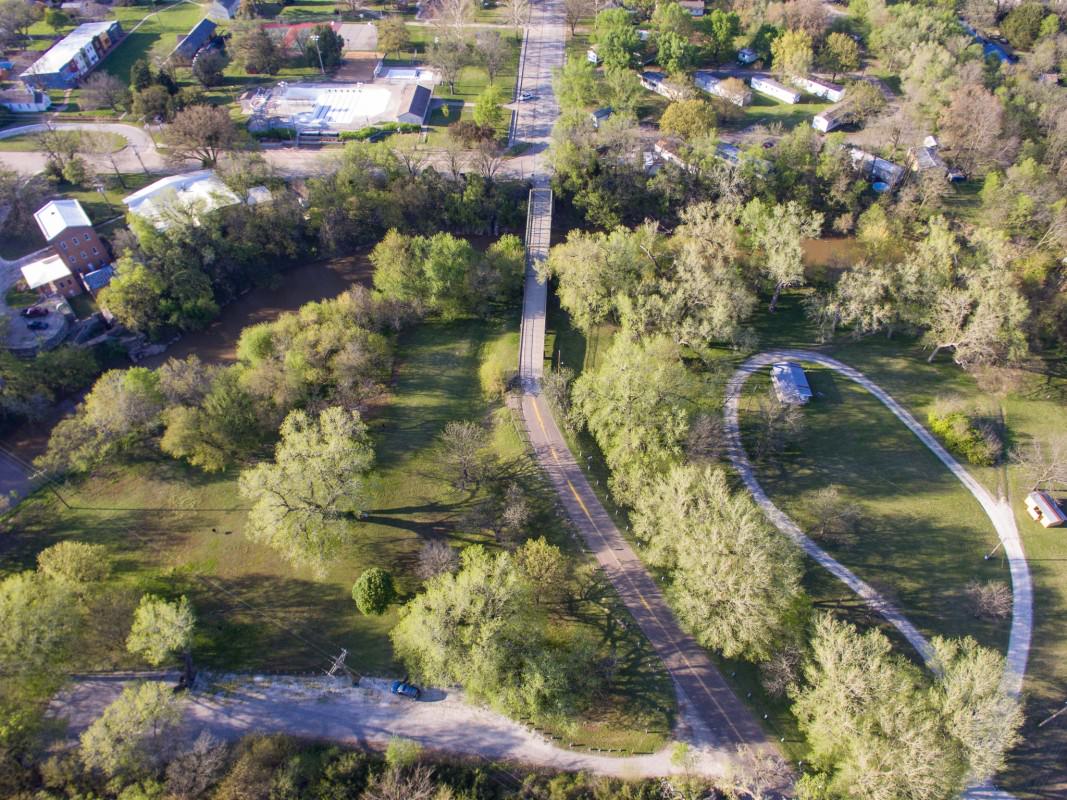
(526,97)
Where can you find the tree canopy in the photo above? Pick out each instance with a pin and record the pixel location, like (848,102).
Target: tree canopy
(305,501)
(735,582)
(481,626)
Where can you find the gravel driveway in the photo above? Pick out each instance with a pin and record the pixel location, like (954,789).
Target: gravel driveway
(366,716)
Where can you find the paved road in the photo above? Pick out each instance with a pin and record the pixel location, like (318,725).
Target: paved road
(998,510)
(329,709)
(710,714)
(140,150)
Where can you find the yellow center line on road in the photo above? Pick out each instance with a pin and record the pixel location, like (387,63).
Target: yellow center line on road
(623,574)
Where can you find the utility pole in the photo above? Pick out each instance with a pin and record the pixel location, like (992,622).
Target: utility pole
(114,166)
(1053,716)
(137,153)
(338,663)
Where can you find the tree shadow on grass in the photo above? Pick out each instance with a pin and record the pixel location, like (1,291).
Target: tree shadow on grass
(263,621)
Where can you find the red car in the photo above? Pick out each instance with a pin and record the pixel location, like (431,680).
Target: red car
(35,311)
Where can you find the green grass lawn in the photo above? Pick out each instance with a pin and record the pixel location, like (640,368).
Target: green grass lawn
(923,534)
(1030,406)
(102,208)
(472,79)
(27,142)
(155,37)
(927,536)
(171,529)
(767,111)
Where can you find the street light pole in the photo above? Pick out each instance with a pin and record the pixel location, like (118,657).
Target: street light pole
(315,39)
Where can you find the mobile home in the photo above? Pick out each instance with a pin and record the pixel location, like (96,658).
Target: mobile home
(771,88)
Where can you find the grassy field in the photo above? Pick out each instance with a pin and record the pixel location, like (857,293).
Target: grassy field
(767,111)
(155,37)
(926,536)
(172,529)
(472,79)
(923,534)
(1030,400)
(27,142)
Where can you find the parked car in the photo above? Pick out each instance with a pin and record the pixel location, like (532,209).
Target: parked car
(35,311)
(405,689)
(526,97)
(37,325)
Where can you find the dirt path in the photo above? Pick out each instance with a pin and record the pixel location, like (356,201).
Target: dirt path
(366,716)
(998,511)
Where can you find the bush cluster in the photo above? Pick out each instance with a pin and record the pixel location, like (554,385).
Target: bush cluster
(373,131)
(974,441)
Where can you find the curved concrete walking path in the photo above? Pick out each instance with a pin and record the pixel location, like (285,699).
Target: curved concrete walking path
(998,510)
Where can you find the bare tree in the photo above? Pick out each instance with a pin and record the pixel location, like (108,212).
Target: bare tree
(989,600)
(492,51)
(463,446)
(60,146)
(1043,463)
(103,90)
(436,558)
(201,132)
(448,57)
(556,387)
(809,16)
(778,424)
(415,783)
(517,12)
(453,15)
(759,773)
(455,154)
(193,772)
(971,127)
(410,153)
(705,441)
(487,158)
(515,515)
(836,519)
(574,11)
(781,671)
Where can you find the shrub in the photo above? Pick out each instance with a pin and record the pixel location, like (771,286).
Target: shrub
(373,591)
(383,128)
(977,442)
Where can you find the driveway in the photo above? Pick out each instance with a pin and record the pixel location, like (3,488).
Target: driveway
(364,715)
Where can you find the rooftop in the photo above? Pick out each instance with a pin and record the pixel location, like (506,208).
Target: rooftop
(201,190)
(42,272)
(790,382)
(64,50)
(197,37)
(98,278)
(58,215)
(337,107)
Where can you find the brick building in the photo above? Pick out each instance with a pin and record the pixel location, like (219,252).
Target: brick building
(67,228)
